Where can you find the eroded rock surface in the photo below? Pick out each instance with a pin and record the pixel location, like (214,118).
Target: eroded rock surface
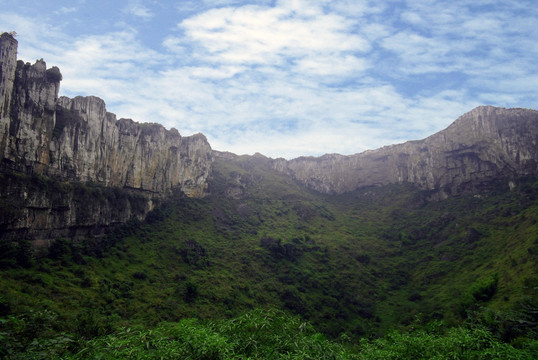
(77,140)
(483,145)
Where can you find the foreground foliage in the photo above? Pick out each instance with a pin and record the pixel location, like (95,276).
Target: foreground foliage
(269,334)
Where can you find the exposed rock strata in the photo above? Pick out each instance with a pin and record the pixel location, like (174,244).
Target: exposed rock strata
(42,210)
(77,140)
(486,144)
(89,144)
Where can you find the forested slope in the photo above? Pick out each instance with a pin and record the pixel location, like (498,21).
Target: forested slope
(353,265)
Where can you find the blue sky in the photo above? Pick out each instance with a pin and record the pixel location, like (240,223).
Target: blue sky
(288,77)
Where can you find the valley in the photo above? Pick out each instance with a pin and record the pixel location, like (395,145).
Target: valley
(121,239)
(355,265)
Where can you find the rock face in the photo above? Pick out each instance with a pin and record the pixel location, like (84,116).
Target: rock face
(77,140)
(484,145)
(89,144)
(42,210)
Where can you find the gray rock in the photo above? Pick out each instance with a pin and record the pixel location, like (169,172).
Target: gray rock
(78,141)
(486,144)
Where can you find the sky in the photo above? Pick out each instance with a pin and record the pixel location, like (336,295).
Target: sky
(287,78)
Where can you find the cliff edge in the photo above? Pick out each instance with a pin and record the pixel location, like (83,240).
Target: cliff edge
(60,158)
(77,139)
(482,146)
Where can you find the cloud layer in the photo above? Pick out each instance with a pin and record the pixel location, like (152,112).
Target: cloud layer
(290,77)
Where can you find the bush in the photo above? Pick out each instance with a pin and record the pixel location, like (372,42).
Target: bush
(455,343)
(481,290)
(259,334)
(24,253)
(7,254)
(89,324)
(32,336)
(484,289)
(191,292)
(140,275)
(53,74)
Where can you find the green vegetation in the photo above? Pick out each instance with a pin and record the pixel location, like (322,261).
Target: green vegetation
(378,273)
(257,334)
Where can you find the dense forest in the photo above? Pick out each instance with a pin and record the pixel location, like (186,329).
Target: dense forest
(263,267)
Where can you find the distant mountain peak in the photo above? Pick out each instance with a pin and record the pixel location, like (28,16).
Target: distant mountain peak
(485,145)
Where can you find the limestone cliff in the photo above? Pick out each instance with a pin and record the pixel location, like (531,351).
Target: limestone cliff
(89,144)
(77,140)
(484,145)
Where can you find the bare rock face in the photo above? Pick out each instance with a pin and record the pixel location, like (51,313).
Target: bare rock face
(485,144)
(8,65)
(77,140)
(42,210)
(90,144)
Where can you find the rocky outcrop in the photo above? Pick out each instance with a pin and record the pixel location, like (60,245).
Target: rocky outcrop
(77,140)
(89,144)
(482,146)
(42,210)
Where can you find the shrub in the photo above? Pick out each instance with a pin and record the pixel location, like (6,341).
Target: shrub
(190,292)
(24,253)
(53,74)
(258,334)
(140,275)
(484,289)
(7,254)
(455,343)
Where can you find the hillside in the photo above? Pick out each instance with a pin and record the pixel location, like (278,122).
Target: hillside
(118,237)
(357,264)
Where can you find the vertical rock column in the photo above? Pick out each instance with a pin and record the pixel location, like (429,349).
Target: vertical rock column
(8,65)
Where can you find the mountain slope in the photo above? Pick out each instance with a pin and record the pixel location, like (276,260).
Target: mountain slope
(358,263)
(486,145)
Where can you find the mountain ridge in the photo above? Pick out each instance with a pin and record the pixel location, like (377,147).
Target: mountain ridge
(78,139)
(487,143)
(70,169)
(78,146)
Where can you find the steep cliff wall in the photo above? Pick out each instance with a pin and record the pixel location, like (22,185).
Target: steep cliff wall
(42,210)
(486,144)
(89,144)
(77,140)
(8,64)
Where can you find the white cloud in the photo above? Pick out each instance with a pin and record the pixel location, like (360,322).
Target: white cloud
(262,35)
(37,40)
(106,65)
(332,66)
(136,8)
(420,54)
(66,10)
(295,77)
